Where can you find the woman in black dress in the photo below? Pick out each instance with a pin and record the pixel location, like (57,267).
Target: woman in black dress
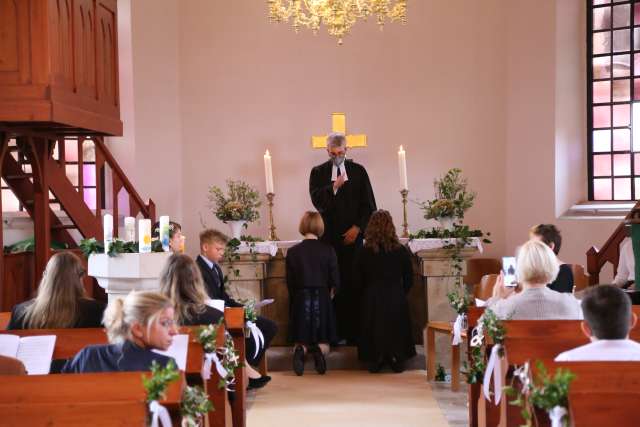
(61,301)
(384,274)
(312,281)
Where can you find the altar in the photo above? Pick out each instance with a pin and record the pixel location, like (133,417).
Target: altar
(260,273)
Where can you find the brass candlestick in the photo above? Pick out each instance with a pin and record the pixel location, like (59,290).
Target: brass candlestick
(405,224)
(272,227)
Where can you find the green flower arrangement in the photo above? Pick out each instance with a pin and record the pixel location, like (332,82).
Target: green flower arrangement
(452,199)
(156,384)
(118,246)
(240,203)
(228,355)
(194,406)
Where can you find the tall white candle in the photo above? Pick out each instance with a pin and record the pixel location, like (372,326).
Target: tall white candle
(144,236)
(107,226)
(129,229)
(268,172)
(402,166)
(164,232)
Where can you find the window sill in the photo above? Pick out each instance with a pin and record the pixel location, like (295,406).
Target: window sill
(598,210)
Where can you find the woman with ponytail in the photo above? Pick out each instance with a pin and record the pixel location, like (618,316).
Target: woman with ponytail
(61,301)
(136,325)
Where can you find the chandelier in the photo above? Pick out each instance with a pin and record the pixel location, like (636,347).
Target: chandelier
(337,15)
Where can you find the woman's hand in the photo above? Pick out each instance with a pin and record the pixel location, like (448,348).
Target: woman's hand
(500,290)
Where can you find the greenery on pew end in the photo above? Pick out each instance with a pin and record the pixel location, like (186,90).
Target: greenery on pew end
(228,355)
(157,383)
(118,246)
(194,406)
(544,392)
(492,326)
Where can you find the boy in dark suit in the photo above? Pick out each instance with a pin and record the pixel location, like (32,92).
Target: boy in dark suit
(212,246)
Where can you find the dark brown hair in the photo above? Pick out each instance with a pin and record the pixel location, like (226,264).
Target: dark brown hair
(311,223)
(607,311)
(380,234)
(181,281)
(549,234)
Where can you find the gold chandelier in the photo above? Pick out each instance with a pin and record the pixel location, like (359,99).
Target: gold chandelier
(337,15)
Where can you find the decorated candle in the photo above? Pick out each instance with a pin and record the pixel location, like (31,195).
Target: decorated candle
(164,232)
(268,172)
(144,236)
(129,229)
(402,166)
(107,226)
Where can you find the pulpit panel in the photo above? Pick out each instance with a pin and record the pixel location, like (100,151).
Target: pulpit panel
(14,41)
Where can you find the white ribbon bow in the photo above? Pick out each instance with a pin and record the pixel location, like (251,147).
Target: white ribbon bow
(477,336)
(258,338)
(457,330)
(556,415)
(159,412)
(209,359)
(494,366)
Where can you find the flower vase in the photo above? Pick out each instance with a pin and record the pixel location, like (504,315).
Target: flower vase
(236,228)
(447,222)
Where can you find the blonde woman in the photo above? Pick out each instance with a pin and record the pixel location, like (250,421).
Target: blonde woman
(536,265)
(136,325)
(61,301)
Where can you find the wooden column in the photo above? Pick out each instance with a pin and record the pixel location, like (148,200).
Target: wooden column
(39,148)
(4,143)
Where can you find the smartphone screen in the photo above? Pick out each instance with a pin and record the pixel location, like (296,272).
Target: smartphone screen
(509,271)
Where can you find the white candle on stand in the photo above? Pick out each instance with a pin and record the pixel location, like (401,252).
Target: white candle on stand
(268,172)
(402,166)
(164,232)
(129,229)
(107,226)
(144,236)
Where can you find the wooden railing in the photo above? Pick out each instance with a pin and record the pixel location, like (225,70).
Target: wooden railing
(610,251)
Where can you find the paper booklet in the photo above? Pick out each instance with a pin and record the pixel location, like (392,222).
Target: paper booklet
(218,304)
(34,352)
(178,350)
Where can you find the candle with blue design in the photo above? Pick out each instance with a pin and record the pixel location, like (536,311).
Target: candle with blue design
(164,232)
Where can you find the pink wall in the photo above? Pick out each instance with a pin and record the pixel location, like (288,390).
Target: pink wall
(500,93)
(247,85)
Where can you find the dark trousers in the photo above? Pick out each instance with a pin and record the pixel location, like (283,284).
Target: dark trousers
(269,330)
(347,300)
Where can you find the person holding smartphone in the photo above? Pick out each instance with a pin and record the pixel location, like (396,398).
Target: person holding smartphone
(536,265)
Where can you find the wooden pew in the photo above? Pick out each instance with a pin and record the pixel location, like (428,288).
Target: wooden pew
(103,399)
(5,317)
(603,393)
(234,320)
(70,341)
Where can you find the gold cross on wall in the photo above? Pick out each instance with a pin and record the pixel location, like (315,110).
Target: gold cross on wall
(339,124)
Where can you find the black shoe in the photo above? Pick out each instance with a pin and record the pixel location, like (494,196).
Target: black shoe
(375,367)
(298,360)
(255,383)
(396,365)
(319,360)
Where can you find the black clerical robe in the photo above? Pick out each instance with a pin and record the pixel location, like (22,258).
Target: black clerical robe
(351,205)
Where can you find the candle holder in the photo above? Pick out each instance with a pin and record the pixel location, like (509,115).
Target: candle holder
(272,227)
(405,224)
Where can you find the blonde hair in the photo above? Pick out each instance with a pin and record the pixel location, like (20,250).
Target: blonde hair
(536,263)
(181,281)
(210,236)
(311,223)
(141,307)
(59,293)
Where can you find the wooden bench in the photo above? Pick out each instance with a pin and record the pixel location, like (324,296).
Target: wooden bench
(70,341)
(103,399)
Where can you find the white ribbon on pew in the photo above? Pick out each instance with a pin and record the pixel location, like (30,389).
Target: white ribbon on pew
(159,412)
(457,330)
(494,366)
(477,335)
(258,338)
(556,415)
(209,360)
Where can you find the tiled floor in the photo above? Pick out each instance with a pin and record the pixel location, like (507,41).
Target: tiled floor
(453,404)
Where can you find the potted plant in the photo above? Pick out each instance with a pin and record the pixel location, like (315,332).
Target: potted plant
(237,207)
(452,199)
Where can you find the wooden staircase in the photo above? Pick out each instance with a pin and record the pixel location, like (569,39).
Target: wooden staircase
(34,166)
(610,251)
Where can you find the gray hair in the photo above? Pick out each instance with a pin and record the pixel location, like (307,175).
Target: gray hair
(336,140)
